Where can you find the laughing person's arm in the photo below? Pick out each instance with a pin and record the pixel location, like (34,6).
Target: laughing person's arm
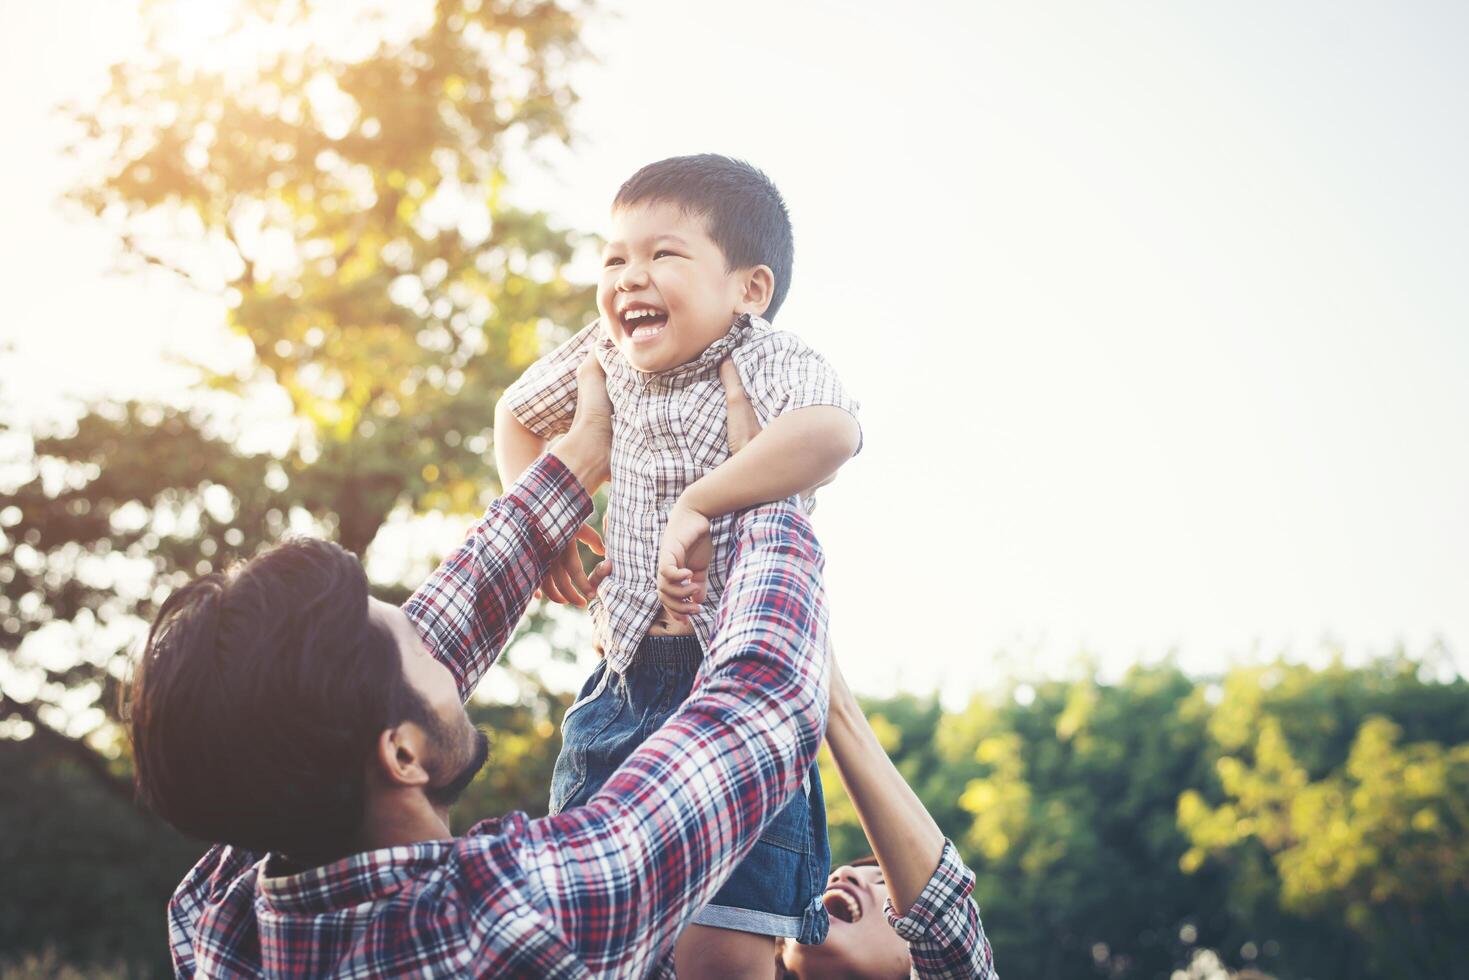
(928,886)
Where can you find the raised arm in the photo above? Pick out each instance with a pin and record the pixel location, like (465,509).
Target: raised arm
(796,452)
(625,873)
(540,405)
(928,885)
(469,605)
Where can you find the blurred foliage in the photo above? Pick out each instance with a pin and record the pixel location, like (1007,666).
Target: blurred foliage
(347,196)
(86,875)
(1301,822)
(339,177)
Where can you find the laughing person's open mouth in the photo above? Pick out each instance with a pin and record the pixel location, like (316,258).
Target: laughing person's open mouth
(643,321)
(841,902)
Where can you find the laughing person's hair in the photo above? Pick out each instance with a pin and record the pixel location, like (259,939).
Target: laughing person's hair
(258,699)
(747,218)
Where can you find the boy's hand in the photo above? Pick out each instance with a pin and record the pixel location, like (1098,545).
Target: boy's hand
(683,562)
(566,580)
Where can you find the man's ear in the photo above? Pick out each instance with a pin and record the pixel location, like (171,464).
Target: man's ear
(757,290)
(399,756)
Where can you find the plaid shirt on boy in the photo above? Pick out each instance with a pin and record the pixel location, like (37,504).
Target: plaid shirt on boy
(598,890)
(668,431)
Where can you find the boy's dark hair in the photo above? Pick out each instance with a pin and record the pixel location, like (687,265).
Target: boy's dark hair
(746,215)
(258,698)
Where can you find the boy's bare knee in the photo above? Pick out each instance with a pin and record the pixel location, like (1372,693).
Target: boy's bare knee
(707,953)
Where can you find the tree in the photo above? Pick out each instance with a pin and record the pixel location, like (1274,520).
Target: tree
(1068,801)
(1322,806)
(344,186)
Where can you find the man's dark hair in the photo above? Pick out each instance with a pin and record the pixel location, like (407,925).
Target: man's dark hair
(258,699)
(746,215)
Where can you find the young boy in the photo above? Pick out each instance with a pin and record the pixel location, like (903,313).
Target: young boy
(698,261)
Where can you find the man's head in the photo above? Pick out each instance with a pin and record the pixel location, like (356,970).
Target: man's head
(272,701)
(860,942)
(695,242)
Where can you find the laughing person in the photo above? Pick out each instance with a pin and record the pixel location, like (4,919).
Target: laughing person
(697,263)
(908,912)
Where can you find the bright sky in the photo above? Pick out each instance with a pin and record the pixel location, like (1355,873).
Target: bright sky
(1157,311)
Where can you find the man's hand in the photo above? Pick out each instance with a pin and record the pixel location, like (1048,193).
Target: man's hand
(742,424)
(566,579)
(683,562)
(586,449)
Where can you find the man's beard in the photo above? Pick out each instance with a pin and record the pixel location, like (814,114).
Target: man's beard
(448,793)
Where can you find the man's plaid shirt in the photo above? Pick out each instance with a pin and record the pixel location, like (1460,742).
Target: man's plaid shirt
(599,890)
(668,431)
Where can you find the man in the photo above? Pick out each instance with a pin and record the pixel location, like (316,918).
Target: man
(318,736)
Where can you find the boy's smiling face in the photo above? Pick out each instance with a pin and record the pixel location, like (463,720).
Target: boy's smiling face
(665,294)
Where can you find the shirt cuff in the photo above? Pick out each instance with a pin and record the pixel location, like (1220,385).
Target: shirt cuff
(551,499)
(949,887)
(779,523)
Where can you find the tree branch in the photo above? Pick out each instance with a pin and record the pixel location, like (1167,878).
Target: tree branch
(130,244)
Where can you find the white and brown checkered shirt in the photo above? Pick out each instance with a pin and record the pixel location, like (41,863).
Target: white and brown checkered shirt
(668,430)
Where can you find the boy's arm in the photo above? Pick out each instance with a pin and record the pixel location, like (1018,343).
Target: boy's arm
(516,447)
(794,453)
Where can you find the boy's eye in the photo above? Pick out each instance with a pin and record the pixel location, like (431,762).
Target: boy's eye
(611,260)
(662,252)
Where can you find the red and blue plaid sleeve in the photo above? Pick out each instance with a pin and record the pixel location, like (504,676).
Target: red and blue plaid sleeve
(942,928)
(624,874)
(467,608)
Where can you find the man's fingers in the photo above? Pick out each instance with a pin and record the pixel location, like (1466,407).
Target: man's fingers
(603,569)
(576,574)
(567,585)
(742,424)
(548,587)
(588,536)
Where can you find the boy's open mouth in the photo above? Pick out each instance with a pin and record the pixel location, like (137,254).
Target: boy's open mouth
(642,321)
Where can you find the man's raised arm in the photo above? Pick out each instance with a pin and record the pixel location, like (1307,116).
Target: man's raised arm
(469,605)
(626,872)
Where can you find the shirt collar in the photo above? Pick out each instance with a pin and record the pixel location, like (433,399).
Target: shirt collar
(350,881)
(706,365)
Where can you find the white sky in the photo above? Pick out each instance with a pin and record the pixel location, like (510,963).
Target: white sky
(1158,311)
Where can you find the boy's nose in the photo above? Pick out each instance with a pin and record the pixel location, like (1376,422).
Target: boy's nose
(632,278)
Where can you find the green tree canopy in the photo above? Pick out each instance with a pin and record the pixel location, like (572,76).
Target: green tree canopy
(340,177)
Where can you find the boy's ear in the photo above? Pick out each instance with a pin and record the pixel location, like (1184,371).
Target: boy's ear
(758,290)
